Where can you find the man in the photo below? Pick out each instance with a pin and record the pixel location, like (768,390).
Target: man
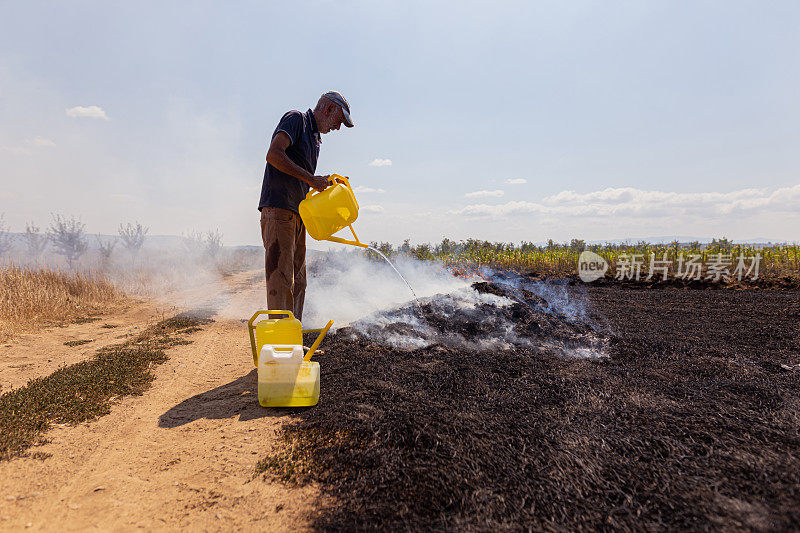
(291,163)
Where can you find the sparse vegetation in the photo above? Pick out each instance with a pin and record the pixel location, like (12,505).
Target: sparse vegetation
(85,320)
(77,342)
(193,241)
(213,243)
(84,390)
(67,237)
(30,297)
(230,262)
(5,237)
(35,242)
(133,236)
(106,248)
(206,246)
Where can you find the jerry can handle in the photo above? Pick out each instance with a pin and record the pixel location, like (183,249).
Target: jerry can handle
(286,351)
(251,328)
(322,333)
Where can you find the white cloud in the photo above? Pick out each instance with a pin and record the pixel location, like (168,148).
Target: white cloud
(19,150)
(42,142)
(485,194)
(628,199)
(91,111)
(38,142)
(361,188)
(372,209)
(484,210)
(638,204)
(378,162)
(516,181)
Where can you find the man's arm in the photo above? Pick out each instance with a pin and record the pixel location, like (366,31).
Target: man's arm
(276,156)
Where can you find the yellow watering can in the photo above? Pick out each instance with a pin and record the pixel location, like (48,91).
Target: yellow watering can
(324,213)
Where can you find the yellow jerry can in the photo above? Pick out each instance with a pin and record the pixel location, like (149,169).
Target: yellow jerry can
(286,331)
(324,213)
(286,378)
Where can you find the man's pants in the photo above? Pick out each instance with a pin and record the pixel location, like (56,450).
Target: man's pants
(284,237)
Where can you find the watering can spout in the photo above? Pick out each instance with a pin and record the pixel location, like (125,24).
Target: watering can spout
(324,213)
(355,242)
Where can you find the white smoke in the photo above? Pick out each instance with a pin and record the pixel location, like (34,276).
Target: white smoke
(346,286)
(481,317)
(403,328)
(342,285)
(178,276)
(561,298)
(353,290)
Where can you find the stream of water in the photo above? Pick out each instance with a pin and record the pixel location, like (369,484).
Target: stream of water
(398,273)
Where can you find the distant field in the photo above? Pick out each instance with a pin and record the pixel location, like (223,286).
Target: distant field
(776,260)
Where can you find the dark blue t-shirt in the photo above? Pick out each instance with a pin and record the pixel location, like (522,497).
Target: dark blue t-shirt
(283,190)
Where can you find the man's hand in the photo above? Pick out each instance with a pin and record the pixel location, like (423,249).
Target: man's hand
(320,183)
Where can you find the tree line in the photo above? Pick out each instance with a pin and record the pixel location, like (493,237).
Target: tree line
(67,237)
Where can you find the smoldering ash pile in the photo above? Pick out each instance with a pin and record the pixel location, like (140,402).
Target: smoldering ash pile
(503,312)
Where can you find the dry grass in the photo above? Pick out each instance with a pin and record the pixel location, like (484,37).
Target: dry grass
(31,297)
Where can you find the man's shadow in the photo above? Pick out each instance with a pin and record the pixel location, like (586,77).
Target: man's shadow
(239,397)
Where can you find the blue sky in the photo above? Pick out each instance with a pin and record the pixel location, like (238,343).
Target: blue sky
(505,121)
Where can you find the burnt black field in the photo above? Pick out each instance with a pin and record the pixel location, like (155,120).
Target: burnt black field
(689,419)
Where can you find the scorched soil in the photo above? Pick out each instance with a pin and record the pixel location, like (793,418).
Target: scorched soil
(686,417)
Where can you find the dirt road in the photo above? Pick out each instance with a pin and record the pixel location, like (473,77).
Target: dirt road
(182,455)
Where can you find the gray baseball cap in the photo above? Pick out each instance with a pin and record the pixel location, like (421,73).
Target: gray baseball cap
(337,98)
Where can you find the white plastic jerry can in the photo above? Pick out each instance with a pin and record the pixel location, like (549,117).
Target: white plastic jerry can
(284,379)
